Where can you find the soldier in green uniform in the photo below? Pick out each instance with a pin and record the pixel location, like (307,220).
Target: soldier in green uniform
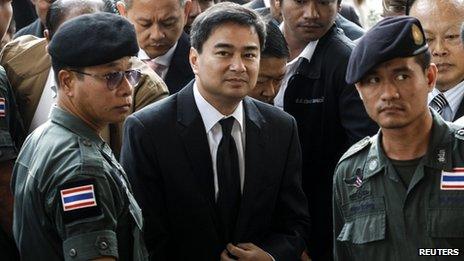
(400,194)
(11,137)
(72,198)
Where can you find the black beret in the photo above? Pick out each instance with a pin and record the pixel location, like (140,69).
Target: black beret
(393,37)
(93,39)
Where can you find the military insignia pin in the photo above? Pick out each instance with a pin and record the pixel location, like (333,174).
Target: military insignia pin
(355,181)
(417,35)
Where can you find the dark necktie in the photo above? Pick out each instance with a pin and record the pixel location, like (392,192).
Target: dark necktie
(228,201)
(438,103)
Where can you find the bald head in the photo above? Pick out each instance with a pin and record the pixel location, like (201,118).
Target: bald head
(63,10)
(442,20)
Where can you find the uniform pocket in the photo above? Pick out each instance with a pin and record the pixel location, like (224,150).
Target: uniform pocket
(446,223)
(366,221)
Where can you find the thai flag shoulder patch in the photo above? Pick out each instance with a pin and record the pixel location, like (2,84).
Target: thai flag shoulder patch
(78,197)
(2,107)
(453,180)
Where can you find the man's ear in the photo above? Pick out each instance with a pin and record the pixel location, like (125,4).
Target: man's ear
(47,35)
(66,82)
(187,7)
(357,88)
(193,59)
(121,6)
(432,74)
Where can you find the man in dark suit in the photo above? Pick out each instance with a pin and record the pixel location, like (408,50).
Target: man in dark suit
(163,44)
(442,21)
(329,112)
(37,27)
(217,173)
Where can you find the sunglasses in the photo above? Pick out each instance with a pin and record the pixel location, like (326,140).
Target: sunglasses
(114,79)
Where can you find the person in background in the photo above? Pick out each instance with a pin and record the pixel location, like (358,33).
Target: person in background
(272,65)
(11,137)
(441,20)
(35,85)
(37,27)
(197,7)
(164,46)
(329,112)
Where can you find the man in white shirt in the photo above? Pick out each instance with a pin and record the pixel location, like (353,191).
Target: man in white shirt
(441,20)
(163,44)
(218,173)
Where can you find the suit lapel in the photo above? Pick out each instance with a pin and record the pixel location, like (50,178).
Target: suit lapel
(193,134)
(460,111)
(254,160)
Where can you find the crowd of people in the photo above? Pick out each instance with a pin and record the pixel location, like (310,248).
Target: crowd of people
(213,130)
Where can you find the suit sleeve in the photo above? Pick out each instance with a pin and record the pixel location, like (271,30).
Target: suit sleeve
(291,221)
(353,115)
(139,160)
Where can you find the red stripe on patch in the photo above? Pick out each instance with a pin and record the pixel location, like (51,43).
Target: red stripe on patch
(73,190)
(452,186)
(85,204)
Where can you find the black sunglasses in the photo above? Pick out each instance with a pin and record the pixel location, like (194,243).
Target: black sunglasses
(114,79)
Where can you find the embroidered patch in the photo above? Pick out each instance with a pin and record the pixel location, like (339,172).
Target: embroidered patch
(2,107)
(78,197)
(452,180)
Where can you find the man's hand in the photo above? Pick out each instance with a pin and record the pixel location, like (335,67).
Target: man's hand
(245,251)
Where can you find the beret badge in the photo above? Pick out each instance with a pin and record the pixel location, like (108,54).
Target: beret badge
(417,35)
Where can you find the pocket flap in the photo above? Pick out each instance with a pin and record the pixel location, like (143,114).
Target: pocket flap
(364,229)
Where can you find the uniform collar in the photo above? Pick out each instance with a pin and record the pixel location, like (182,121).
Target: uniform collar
(438,154)
(74,124)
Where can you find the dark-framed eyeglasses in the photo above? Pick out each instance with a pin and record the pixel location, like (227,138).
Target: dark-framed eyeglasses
(114,79)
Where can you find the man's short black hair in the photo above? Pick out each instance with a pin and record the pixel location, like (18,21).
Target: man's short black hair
(396,7)
(223,13)
(275,44)
(423,59)
(60,9)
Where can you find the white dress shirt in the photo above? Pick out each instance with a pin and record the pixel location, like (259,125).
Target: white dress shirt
(46,102)
(211,118)
(164,59)
(453,96)
(291,67)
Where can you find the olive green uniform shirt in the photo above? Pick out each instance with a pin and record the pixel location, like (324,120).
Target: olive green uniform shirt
(72,198)
(376,217)
(11,127)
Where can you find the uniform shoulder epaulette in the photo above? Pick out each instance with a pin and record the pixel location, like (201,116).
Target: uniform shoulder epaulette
(459,133)
(357,147)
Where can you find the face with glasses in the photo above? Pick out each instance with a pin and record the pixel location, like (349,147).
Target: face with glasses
(102,94)
(441,21)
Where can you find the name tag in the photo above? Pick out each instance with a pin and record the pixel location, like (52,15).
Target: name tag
(309,101)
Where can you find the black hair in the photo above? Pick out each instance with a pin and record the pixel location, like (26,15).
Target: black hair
(223,13)
(275,45)
(423,59)
(396,7)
